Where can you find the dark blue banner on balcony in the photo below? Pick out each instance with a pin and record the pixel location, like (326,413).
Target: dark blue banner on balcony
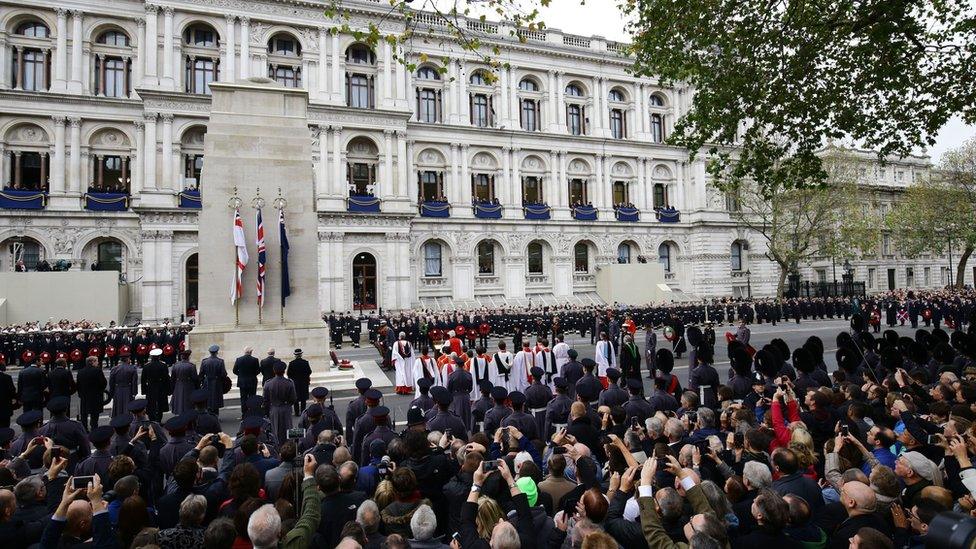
(190,198)
(363,204)
(584,213)
(106,202)
(14,199)
(435,208)
(487,210)
(536,211)
(628,214)
(668,215)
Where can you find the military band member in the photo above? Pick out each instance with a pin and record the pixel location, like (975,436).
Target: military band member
(300,372)
(572,372)
(213,375)
(518,418)
(703,380)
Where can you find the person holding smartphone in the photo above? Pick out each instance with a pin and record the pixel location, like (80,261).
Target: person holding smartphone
(468,537)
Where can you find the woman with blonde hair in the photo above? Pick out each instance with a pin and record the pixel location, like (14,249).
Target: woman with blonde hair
(384,494)
(489,513)
(801,442)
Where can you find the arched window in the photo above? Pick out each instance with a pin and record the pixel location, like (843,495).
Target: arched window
(112,70)
(660,196)
(432,259)
(618,124)
(575,110)
(431,186)
(362,158)
(483,187)
(657,118)
(535,258)
(202,58)
(428,73)
(486,258)
(664,257)
(577,192)
(284,66)
(478,79)
(480,101)
(621,194)
(532,190)
(114,38)
(737,249)
(25,251)
(110,256)
(429,95)
(581,258)
(360,77)
(284,45)
(527,84)
(33,29)
(657,101)
(623,253)
(616,95)
(359,54)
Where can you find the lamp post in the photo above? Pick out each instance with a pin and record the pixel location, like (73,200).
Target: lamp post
(361,279)
(951,282)
(749,283)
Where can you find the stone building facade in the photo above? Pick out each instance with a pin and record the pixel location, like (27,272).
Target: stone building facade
(434,190)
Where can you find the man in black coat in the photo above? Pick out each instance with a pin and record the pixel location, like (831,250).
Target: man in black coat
(61,381)
(156,385)
(268,367)
(31,386)
(246,369)
(8,399)
(91,391)
(300,372)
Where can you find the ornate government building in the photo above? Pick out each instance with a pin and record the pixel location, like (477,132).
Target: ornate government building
(433,189)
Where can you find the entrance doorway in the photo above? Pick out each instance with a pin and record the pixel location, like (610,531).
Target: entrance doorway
(891,279)
(364,282)
(192,280)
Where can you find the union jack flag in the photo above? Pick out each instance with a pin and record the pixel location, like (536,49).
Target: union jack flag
(240,246)
(262,258)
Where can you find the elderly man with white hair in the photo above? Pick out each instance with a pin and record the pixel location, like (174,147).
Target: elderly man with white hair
(246,368)
(264,525)
(423,523)
(403,357)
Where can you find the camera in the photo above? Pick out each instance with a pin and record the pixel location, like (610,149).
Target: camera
(383,468)
(950,530)
(634,423)
(738,440)
(692,417)
(490,465)
(296,432)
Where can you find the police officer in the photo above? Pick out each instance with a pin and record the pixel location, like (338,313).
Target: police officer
(444,419)
(205,422)
(91,391)
(381,431)
(30,426)
(494,417)
(185,381)
(61,428)
(537,397)
(481,406)
(300,372)
(357,407)
(557,411)
(613,395)
(246,368)
(123,383)
(178,444)
(518,418)
(364,425)
(156,385)
(101,457)
(636,406)
(279,398)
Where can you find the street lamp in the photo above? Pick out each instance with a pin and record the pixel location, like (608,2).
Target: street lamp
(749,283)
(361,279)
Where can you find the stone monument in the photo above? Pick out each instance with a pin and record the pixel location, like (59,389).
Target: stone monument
(258,152)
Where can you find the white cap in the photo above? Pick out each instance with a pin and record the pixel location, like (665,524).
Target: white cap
(156,352)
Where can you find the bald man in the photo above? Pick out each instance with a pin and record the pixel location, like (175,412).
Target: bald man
(860,503)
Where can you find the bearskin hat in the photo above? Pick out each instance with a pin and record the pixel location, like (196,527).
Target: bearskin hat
(664,360)
(741,361)
(784,349)
(890,336)
(767,363)
(693,335)
(891,359)
(847,359)
(803,360)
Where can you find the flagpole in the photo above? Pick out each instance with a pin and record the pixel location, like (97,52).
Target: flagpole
(235,204)
(257,203)
(279,204)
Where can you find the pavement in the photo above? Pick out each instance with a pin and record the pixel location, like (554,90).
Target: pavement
(364,359)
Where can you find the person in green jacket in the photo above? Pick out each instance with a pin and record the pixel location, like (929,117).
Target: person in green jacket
(703,523)
(264,526)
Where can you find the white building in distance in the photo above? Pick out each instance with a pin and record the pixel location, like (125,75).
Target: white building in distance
(433,190)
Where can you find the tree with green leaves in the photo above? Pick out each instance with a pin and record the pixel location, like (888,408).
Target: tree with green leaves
(886,74)
(933,215)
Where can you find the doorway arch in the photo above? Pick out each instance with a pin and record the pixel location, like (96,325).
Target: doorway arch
(191,277)
(364,281)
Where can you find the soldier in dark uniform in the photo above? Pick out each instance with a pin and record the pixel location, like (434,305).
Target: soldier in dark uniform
(328,415)
(205,422)
(300,372)
(32,383)
(445,419)
(177,446)
(494,416)
(364,425)
(212,376)
(480,407)
(156,385)
(636,406)
(572,372)
(91,391)
(380,415)
(64,431)
(185,381)
(256,426)
(665,365)
(557,411)
(537,397)
(61,381)
(120,441)
(139,419)
(587,394)
(423,400)
(279,398)
(123,384)
(268,367)
(357,407)
(336,327)
(246,368)
(30,426)
(613,395)
(589,381)
(740,383)
(518,418)
(703,380)
(8,398)
(354,328)
(460,383)
(101,457)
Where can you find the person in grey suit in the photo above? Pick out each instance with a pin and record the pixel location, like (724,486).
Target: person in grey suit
(279,396)
(185,381)
(212,374)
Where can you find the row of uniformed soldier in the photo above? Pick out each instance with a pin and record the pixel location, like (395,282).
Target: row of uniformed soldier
(107,345)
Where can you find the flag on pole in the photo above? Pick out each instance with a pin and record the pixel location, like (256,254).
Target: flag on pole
(283,238)
(262,259)
(240,244)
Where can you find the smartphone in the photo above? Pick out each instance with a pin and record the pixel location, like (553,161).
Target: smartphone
(634,423)
(845,430)
(296,432)
(934,439)
(784,387)
(558,450)
(692,417)
(605,440)
(738,440)
(448,432)
(490,465)
(214,439)
(78,483)
(703,446)
(456,537)
(55,452)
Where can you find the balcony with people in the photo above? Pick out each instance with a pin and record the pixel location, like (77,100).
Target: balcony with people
(483,200)
(108,190)
(362,162)
(432,200)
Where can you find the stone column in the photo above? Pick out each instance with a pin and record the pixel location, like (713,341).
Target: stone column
(641,201)
(563,180)
(465,175)
(604,108)
(322,189)
(245,47)
(463,110)
(453,181)
(514,188)
(413,186)
(74,170)
(550,192)
(168,81)
(607,186)
(400,99)
(641,102)
(18,174)
(149,156)
(323,65)
(138,65)
(513,106)
(3,166)
(152,46)
(403,165)
(60,83)
(502,109)
(337,176)
(228,72)
(595,194)
(387,75)
(387,179)
(552,123)
(502,187)
(149,275)
(77,42)
(167,176)
(57,165)
(560,101)
(337,87)
(164,270)
(136,170)
(449,95)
